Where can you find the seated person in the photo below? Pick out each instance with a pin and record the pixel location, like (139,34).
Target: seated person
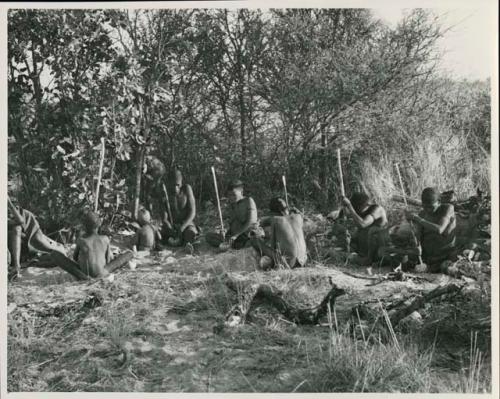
(183,231)
(287,245)
(243,219)
(92,251)
(25,236)
(434,229)
(371,220)
(153,180)
(146,235)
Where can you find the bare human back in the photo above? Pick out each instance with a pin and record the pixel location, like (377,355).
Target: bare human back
(93,251)
(93,255)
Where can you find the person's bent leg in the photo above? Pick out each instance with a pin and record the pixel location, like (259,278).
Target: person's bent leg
(265,250)
(189,235)
(44,243)
(214,239)
(240,242)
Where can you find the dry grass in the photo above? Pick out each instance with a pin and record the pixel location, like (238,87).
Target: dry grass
(155,332)
(440,162)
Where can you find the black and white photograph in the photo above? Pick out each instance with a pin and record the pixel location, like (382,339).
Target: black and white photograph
(251,198)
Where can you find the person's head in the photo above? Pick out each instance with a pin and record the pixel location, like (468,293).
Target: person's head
(278,205)
(359,201)
(235,190)
(91,222)
(143,217)
(430,199)
(155,167)
(176,180)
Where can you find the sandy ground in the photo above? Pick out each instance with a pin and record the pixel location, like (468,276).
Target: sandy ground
(161,326)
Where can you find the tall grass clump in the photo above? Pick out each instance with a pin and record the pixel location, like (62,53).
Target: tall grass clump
(441,162)
(370,366)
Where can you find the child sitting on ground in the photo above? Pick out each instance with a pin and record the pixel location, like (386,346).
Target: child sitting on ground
(145,238)
(92,250)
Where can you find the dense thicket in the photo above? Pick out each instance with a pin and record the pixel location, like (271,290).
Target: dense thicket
(255,93)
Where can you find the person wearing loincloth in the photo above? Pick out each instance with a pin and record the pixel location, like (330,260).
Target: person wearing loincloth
(243,219)
(435,228)
(371,219)
(145,237)
(24,237)
(92,251)
(183,230)
(287,245)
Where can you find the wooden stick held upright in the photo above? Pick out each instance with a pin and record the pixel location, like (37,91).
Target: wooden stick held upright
(406,206)
(286,192)
(342,191)
(341,176)
(169,210)
(99,177)
(218,200)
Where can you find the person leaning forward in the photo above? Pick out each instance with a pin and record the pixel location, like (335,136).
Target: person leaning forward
(371,219)
(25,236)
(287,245)
(243,219)
(435,228)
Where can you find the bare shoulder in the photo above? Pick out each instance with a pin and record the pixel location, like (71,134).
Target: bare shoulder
(188,189)
(447,209)
(296,217)
(379,210)
(250,202)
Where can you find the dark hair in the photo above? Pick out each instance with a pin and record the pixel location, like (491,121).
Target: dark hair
(91,221)
(175,176)
(359,200)
(235,184)
(430,195)
(277,205)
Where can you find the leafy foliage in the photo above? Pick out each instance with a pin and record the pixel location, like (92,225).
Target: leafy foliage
(255,93)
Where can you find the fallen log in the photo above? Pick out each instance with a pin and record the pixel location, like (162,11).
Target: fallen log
(407,307)
(397,311)
(265,294)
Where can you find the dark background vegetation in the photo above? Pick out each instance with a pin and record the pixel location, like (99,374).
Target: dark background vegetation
(257,94)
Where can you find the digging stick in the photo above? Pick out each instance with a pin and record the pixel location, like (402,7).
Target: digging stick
(218,201)
(169,210)
(286,193)
(342,191)
(406,206)
(99,177)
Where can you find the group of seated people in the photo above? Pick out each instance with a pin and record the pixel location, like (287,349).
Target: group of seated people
(278,238)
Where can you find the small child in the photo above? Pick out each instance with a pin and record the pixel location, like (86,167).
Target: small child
(145,236)
(92,250)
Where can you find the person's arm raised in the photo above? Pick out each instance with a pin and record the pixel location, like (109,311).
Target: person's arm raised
(361,222)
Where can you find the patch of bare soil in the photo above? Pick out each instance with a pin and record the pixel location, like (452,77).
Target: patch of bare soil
(162,327)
